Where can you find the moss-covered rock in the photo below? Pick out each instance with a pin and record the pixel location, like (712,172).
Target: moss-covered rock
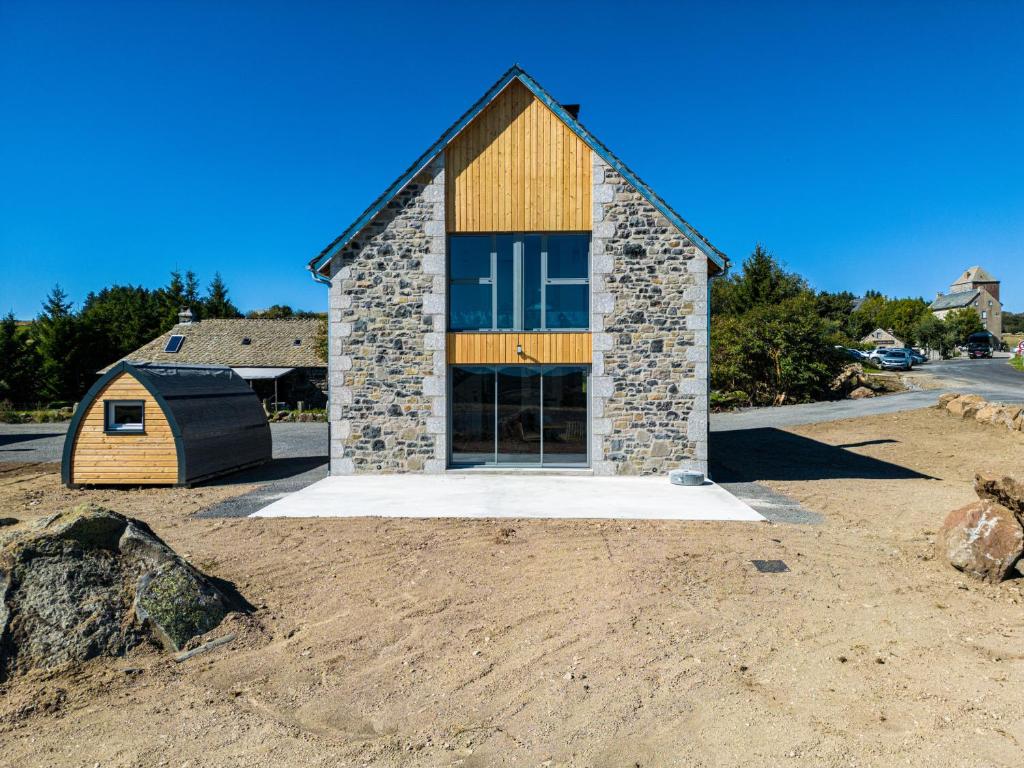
(178,604)
(91,582)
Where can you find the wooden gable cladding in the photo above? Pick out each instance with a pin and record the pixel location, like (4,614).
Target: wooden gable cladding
(100,458)
(518,168)
(538,348)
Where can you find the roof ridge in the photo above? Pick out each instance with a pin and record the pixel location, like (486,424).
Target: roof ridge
(515,72)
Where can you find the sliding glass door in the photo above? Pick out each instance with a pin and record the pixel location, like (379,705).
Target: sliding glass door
(518,415)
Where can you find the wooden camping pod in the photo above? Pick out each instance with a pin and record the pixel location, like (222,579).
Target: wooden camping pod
(152,424)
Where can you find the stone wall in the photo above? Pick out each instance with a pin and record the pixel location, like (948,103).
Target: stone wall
(649,323)
(386,337)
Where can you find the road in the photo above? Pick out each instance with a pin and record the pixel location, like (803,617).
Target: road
(993,379)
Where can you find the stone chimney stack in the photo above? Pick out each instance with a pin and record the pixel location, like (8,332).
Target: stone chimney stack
(185,316)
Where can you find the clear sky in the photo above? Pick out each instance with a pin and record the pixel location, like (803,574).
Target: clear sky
(868,145)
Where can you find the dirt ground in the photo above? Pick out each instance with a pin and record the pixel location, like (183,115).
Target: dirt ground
(543,643)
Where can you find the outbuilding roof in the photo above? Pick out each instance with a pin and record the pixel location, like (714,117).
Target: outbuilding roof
(954,300)
(318,263)
(290,343)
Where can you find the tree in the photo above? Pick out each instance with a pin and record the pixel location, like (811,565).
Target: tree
(274,312)
(191,292)
(961,323)
(932,334)
(772,337)
(836,307)
(172,300)
(217,304)
(56,337)
(776,353)
(761,280)
(901,316)
(1013,322)
(119,319)
(16,353)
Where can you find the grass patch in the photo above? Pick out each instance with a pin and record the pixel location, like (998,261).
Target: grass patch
(1017,362)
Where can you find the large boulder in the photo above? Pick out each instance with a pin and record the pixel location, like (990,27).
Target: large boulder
(983,539)
(91,582)
(946,399)
(966,406)
(998,415)
(860,393)
(1002,489)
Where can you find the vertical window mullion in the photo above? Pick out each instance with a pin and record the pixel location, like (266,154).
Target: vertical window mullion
(494,282)
(517,278)
(544,282)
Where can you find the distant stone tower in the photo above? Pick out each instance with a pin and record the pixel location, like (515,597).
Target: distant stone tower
(973,278)
(976,289)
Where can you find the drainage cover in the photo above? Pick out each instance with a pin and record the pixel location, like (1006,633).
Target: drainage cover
(770,566)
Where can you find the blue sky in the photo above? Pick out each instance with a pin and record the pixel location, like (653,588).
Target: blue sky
(871,145)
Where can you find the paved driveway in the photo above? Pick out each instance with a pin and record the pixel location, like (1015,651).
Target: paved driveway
(32,442)
(992,379)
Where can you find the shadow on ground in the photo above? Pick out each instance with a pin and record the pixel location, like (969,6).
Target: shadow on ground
(277,469)
(26,436)
(749,455)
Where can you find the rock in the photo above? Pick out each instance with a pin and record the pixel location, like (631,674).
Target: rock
(966,406)
(860,393)
(849,378)
(983,539)
(91,582)
(946,399)
(998,415)
(1005,490)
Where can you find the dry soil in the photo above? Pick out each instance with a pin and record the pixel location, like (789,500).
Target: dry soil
(544,643)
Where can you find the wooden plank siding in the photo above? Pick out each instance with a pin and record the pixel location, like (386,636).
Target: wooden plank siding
(538,348)
(130,459)
(518,168)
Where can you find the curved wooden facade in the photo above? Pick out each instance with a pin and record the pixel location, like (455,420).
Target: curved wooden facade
(196,422)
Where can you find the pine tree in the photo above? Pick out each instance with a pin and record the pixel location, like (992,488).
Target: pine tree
(16,370)
(56,337)
(217,303)
(172,299)
(191,295)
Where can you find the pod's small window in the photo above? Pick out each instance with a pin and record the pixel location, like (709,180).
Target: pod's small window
(125,415)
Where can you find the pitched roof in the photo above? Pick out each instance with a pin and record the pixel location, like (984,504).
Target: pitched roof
(975,274)
(219,342)
(954,300)
(515,73)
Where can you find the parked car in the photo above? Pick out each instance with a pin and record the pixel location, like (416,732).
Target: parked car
(976,350)
(875,355)
(853,354)
(917,357)
(897,360)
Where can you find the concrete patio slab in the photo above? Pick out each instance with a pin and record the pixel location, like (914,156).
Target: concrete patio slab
(511,496)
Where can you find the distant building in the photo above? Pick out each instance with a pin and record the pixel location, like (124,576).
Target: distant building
(277,358)
(976,289)
(882,338)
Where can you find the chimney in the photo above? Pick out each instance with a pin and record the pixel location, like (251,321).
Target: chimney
(185,316)
(572,109)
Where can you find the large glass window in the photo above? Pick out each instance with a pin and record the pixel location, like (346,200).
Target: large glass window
(520,415)
(522,282)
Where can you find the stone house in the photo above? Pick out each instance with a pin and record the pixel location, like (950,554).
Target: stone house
(977,289)
(518,298)
(278,358)
(882,338)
